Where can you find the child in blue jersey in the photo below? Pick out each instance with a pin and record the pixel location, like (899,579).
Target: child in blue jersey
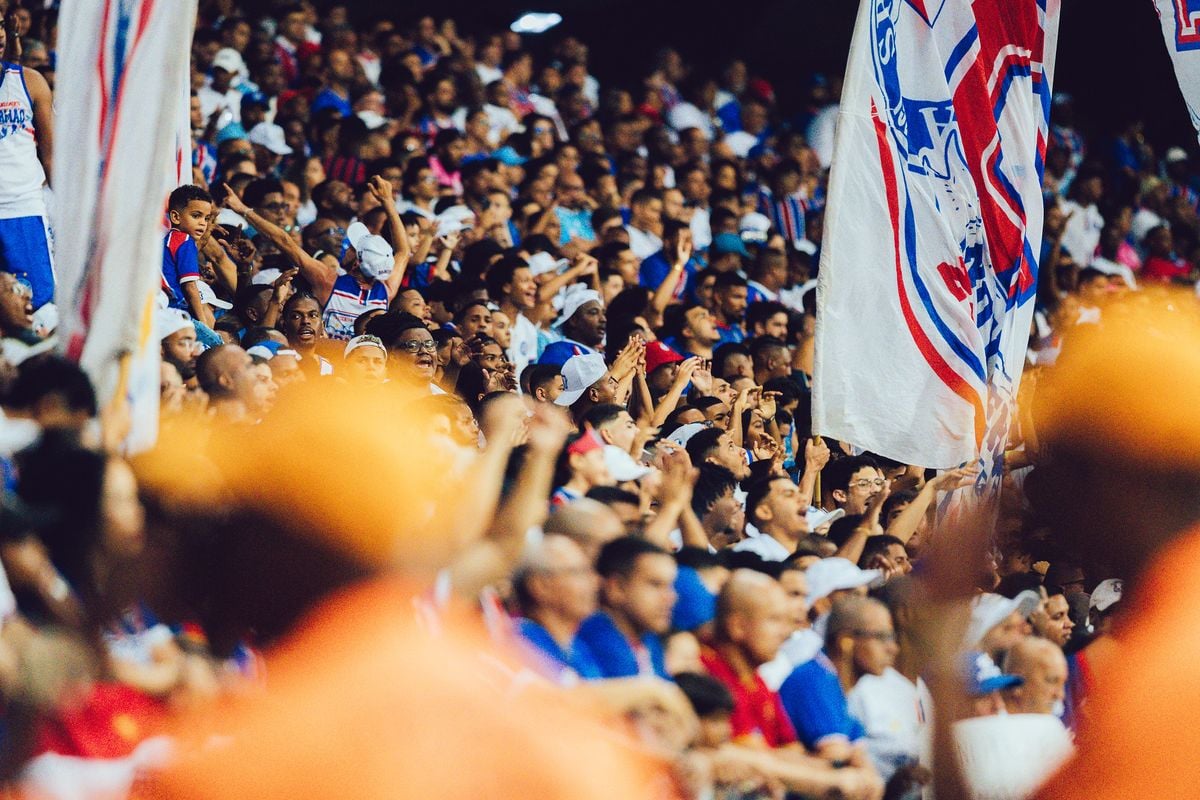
(189,211)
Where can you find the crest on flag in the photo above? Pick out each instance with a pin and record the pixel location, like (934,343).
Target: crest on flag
(941,139)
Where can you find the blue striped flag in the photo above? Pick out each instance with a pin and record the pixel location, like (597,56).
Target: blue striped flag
(933,227)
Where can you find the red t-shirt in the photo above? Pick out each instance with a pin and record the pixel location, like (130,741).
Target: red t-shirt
(1165,269)
(757,711)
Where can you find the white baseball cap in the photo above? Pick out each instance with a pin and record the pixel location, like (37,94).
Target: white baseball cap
(1107,594)
(1176,154)
(366,340)
(171,320)
(575,300)
(622,466)
(375,256)
(817,517)
(830,575)
(229,60)
(579,373)
(684,433)
(989,610)
(208,296)
(270,136)
(543,263)
(454,219)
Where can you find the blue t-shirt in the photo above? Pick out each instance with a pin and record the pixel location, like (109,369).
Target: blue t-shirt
(181,263)
(327,98)
(656,268)
(613,653)
(557,353)
(554,662)
(816,704)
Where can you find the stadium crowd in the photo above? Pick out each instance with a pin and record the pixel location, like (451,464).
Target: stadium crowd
(460,339)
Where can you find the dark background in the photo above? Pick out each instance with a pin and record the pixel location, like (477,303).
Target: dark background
(1112,59)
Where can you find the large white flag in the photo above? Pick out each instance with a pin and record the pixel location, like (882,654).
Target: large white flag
(1180,20)
(932,236)
(122,65)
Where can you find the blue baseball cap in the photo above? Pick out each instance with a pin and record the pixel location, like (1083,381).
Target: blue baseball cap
(982,676)
(509,157)
(255,99)
(730,243)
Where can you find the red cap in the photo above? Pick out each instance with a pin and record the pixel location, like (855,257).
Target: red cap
(658,354)
(585,444)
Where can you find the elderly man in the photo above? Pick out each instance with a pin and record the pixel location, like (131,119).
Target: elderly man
(752,622)
(1043,667)
(556,589)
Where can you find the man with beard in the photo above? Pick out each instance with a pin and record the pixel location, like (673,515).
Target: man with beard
(303,328)
(449,147)
(178,336)
(583,326)
(370,271)
(335,201)
(236,392)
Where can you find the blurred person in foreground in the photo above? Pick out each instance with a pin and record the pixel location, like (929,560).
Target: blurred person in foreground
(1122,487)
(342,601)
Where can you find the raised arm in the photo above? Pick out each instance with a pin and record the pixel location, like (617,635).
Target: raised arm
(401,247)
(666,290)
(907,521)
(318,274)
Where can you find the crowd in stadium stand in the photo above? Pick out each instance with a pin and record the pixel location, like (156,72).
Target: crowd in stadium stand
(556,335)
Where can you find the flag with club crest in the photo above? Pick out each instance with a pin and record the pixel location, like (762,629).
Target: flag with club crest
(930,252)
(123,69)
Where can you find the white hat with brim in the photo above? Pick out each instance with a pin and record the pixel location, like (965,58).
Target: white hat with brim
(579,374)
(171,320)
(818,517)
(684,433)
(621,465)
(544,263)
(831,575)
(270,136)
(575,300)
(989,610)
(208,296)
(374,253)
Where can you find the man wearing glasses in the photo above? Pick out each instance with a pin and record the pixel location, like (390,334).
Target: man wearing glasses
(859,640)
(851,483)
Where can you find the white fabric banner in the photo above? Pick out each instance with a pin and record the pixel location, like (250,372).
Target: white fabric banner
(933,229)
(1180,20)
(121,66)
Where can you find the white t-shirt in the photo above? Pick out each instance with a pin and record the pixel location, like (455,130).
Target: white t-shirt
(523,350)
(800,648)
(894,712)
(642,243)
(1082,235)
(765,547)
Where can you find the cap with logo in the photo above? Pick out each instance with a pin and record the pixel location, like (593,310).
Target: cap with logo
(579,373)
(376,258)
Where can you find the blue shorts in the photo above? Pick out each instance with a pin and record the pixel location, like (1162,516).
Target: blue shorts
(25,252)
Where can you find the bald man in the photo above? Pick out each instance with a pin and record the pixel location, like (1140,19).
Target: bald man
(589,522)
(1044,667)
(227,376)
(753,620)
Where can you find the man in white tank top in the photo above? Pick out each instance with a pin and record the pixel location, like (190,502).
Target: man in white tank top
(26,146)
